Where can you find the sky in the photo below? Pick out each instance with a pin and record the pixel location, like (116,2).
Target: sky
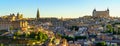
(58,8)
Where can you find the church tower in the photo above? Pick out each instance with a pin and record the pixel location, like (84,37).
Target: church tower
(38,14)
(108,10)
(94,12)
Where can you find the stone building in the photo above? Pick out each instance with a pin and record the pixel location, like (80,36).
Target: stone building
(13,21)
(104,14)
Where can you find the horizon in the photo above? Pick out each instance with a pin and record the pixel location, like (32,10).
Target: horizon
(58,8)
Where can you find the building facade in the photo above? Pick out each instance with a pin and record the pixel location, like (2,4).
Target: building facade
(12,21)
(101,13)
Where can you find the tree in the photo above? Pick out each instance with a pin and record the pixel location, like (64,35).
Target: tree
(103,43)
(32,35)
(74,28)
(11,28)
(110,29)
(17,33)
(80,37)
(41,36)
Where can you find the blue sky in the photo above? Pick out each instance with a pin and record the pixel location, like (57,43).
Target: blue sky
(58,8)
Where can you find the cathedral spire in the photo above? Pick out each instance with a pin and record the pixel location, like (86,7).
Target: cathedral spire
(38,14)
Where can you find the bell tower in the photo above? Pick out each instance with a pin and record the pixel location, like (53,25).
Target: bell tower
(38,14)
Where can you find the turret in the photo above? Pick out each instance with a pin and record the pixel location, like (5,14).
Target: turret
(108,10)
(94,9)
(94,12)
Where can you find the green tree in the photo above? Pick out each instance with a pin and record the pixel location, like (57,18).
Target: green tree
(32,35)
(41,36)
(11,29)
(17,33)
(110,28)
(103,43)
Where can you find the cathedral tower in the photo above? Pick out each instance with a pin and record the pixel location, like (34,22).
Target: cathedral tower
(38,14)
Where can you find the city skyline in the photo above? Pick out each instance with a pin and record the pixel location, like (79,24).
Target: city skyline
(59,23)
(58,8)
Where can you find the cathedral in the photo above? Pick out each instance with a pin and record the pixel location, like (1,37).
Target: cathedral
(103,14)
